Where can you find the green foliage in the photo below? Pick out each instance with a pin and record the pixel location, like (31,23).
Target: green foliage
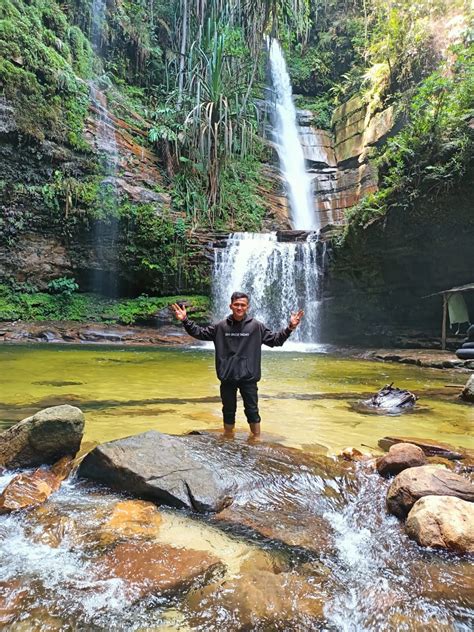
(18,304)
(41,58)
(63,286)
(241,203)
(435,148)
(321,106)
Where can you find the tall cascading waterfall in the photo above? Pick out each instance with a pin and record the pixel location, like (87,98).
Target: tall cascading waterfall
(287,142)
(279,276)
(105,229)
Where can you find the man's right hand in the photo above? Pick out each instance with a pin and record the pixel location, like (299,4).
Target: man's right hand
(179,312)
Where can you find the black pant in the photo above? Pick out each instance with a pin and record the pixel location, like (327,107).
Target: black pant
(249,392)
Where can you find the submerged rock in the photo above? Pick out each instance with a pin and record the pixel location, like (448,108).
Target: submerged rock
(12,595)
(443,522)
(172,470)
(258,600)
(131,519)
(152,568)
(427,480)
(391,398)
(43,438)
(399,458)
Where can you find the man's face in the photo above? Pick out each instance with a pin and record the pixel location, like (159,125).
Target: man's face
(239,308)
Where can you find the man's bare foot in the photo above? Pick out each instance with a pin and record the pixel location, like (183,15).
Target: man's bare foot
(229,431)
(255,430)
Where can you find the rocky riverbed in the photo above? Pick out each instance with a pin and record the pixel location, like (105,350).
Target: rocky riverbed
(285,539)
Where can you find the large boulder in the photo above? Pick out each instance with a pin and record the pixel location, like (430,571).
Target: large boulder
(468,391)
(427,480)
(43,438)
(164,468)
(442,522)
(399,458)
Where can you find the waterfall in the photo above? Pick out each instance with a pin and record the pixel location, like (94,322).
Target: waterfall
(287,141)
(280,277)
(105,232)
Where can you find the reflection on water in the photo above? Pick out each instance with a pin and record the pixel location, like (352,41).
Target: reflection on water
(305,398)
(306,544)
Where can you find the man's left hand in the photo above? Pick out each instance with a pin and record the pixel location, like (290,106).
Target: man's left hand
(295,318)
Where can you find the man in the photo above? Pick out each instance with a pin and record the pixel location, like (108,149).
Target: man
(237,341)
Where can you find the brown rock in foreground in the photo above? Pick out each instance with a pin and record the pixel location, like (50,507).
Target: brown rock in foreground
(430,448)
(399,458)
(442,522)
(12,594)
(259,600)
(427,480)
(301,530)
(43,438)
(152,568)
(28,490)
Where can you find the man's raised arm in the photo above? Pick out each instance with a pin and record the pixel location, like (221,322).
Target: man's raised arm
(194,330)
(277,339)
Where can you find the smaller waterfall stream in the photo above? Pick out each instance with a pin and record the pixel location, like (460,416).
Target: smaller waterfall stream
(104,278)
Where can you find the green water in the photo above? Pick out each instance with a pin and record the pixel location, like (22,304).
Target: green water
(307,400)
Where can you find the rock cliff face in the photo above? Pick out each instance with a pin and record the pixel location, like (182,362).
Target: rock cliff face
(44,196)
(339,160)
(377,281)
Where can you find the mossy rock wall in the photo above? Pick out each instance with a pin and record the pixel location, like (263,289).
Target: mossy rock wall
(379,276)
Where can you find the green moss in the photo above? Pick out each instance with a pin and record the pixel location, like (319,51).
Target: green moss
(42,306)
(42,60)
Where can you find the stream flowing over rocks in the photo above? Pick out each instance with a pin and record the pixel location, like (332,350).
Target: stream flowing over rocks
(241,535)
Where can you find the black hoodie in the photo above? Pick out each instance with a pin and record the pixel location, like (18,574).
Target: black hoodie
(238,346)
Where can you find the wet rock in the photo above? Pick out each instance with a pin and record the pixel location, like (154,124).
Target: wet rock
(391,398)
(432,580)
(131,519)
(299,529)
(426,480)
(259,600)
(153,568)
(353,454)
(468,391)
(429,447)
(43,438)
(28,490)
(63,468)
(12,595)
(443,522)
(399,458)
(168,469)
(45,526)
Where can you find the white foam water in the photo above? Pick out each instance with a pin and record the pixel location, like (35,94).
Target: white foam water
(288,144)
(280,277)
